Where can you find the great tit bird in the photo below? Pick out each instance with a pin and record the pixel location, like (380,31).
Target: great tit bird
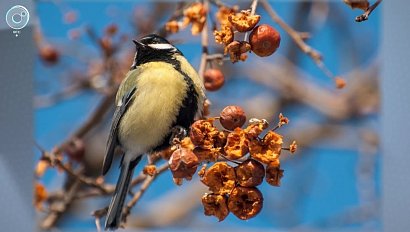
(160,92)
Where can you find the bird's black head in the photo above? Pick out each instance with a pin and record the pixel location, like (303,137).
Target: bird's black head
(153,48)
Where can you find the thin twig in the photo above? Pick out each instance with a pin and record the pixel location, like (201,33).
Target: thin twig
(147,182)
(51,157)
(58,207)
(204,44)
(298,39)
(253,10)
(366,14)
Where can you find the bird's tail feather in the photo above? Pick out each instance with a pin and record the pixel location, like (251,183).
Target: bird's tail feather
(117,201)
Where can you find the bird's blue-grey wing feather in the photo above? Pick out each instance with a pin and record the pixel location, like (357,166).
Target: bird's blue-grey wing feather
(113,142)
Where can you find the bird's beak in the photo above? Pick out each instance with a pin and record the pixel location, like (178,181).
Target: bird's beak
(139,44)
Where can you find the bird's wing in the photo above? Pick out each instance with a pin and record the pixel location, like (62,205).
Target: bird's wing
(113,137)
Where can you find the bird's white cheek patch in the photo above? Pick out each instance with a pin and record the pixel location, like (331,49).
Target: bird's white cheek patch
(162,46)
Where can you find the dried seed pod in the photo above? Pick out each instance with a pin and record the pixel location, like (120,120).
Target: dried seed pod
(203,133)
(41,167)
(244,21)
(220,178)
(213,79)
(220,139)
(224,36)
(232,117)
(195,14)
(282,120)
(201,172)
(40,195)
(172,26)
(245,203)
(293,147)
(223,14)
(237,49)
(187,143)
(340,82)
(236,144)
(250,173)
(264,40)
(215,205)
(267,150)
(183,163)
(274,173)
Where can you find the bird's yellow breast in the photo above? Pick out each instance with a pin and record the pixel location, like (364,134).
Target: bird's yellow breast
(159,95)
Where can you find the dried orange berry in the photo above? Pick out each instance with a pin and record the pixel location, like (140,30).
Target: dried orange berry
(195,14)
(220,139)
(220,178)
(111,29)
(243,21)
(202,133)
(106,45)
(245,203)
(282,120)
(232,117)
(201,172)
(75,149)
(49,54)
(223,14)
(340,82)
(40,195)
(361,4)
(264,40)
(274,174)
(207,154)
(215,205)
(150,170)
(255,128)
(213,79)
(250,173)
(41,167)
(236,49)
(172,26)
(187,143)
(183,163)
(236,144)
(224,36)
(267,150)
(293,147)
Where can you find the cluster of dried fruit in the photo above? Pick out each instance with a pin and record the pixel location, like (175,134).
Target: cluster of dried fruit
(195,14)
(232,188)
(263,40)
